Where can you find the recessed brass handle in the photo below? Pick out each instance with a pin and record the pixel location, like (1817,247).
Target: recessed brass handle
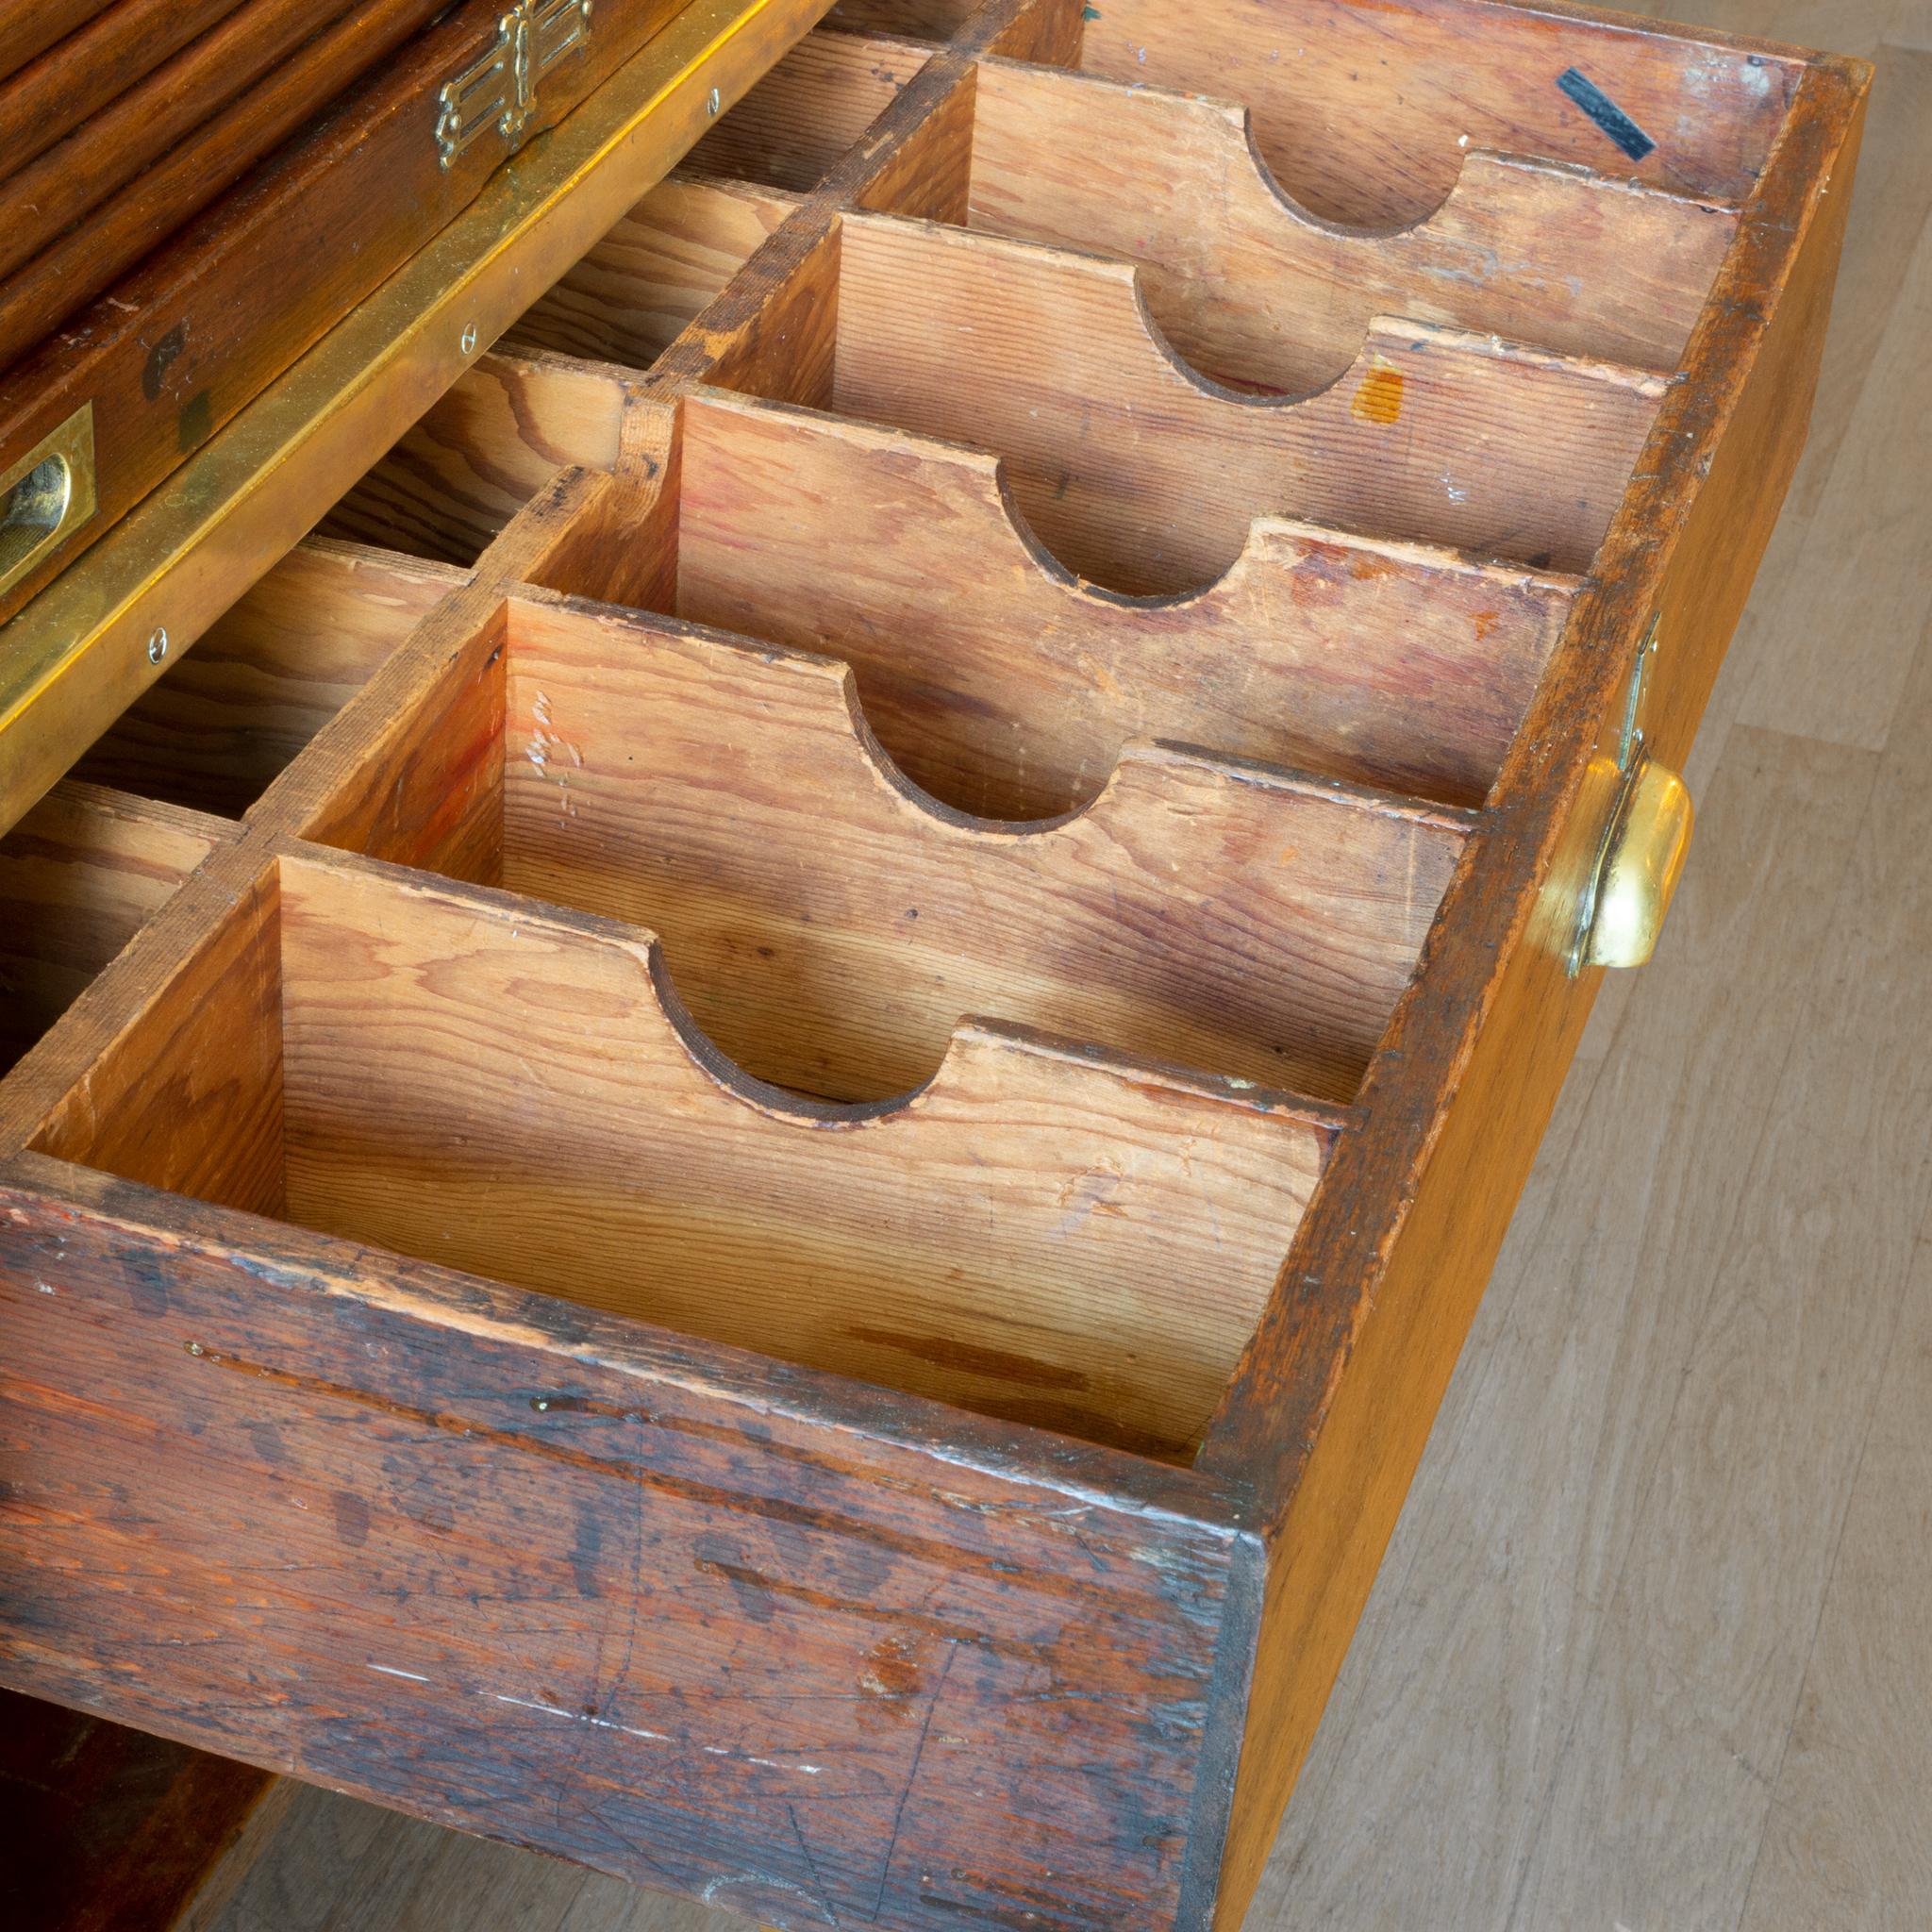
(1640,857)
(46,495)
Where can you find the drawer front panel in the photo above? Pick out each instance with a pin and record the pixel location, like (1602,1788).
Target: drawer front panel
(407,1535)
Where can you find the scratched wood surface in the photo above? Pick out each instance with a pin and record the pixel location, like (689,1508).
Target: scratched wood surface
(178,1065)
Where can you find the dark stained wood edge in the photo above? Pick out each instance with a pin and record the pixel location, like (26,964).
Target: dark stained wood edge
(1329,1410)
(107,1829)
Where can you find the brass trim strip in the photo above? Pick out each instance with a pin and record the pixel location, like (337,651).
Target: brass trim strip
(73,659)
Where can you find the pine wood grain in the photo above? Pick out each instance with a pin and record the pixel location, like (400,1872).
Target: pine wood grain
(1135,473)
(629,298)
(1363,113)
(828,924)
(1007,686)
(797,123)
(1253,290)
(1039,1233)
(265,677)
(80,875)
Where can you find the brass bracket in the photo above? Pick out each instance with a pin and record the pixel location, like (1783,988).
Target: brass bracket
(46,495)
(1639,850)
(499,87)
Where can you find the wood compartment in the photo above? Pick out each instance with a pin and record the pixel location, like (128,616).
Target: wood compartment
(828,924)
(653,273)
(1251,287)
(265,677)
(1007,687)
(1364,113)
(80,874)
(1043,1232)
(802,119)
(1140,474)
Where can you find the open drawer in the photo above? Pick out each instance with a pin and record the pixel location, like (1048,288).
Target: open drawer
(752,1132)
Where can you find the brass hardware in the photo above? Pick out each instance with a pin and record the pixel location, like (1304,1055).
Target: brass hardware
(73,659)
(499,87)
(46,495)
(1644,842)
(1646,822)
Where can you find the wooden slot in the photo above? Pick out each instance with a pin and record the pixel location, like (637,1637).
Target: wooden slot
(797,124)
(1251,288)
(80,875)
(1364,113)
(1042,1232)
(1007,686)
(493,441)
(266,676)
(652,275)
(930,20)
(1145,476)
(828,923)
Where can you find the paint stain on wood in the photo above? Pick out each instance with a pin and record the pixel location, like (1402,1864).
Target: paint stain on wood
(1378,399)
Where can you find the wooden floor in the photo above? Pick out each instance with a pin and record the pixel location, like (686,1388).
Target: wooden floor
(1652,1648)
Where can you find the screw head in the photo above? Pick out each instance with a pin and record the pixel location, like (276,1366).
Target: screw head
(469,337)
(157,644)
(712,102)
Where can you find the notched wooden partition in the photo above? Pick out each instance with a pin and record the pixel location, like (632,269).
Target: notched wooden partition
(1138,473)
(1363,113)
(1042,1232)
(1253,289)
(1007,687)
(828,923)
(80,876)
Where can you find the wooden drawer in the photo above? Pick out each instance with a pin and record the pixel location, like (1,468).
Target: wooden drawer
(796,1069)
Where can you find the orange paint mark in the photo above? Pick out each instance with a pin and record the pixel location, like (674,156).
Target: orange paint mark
(1486,621)
(1365,563)
(1379,398)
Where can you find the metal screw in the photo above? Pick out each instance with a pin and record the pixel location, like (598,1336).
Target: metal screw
(157,644)
(539,1402)
(195,1348)
(711,103)
(469,337)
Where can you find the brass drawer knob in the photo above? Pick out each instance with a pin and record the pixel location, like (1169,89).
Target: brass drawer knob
(1639,856)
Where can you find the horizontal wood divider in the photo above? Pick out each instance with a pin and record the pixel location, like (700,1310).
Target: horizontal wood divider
(1251,287)
(1140,474)
(263,679)
(827,922)
(1007,686)
(1363,115)
(80,874)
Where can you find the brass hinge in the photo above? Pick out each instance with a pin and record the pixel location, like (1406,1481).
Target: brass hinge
(499,87)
